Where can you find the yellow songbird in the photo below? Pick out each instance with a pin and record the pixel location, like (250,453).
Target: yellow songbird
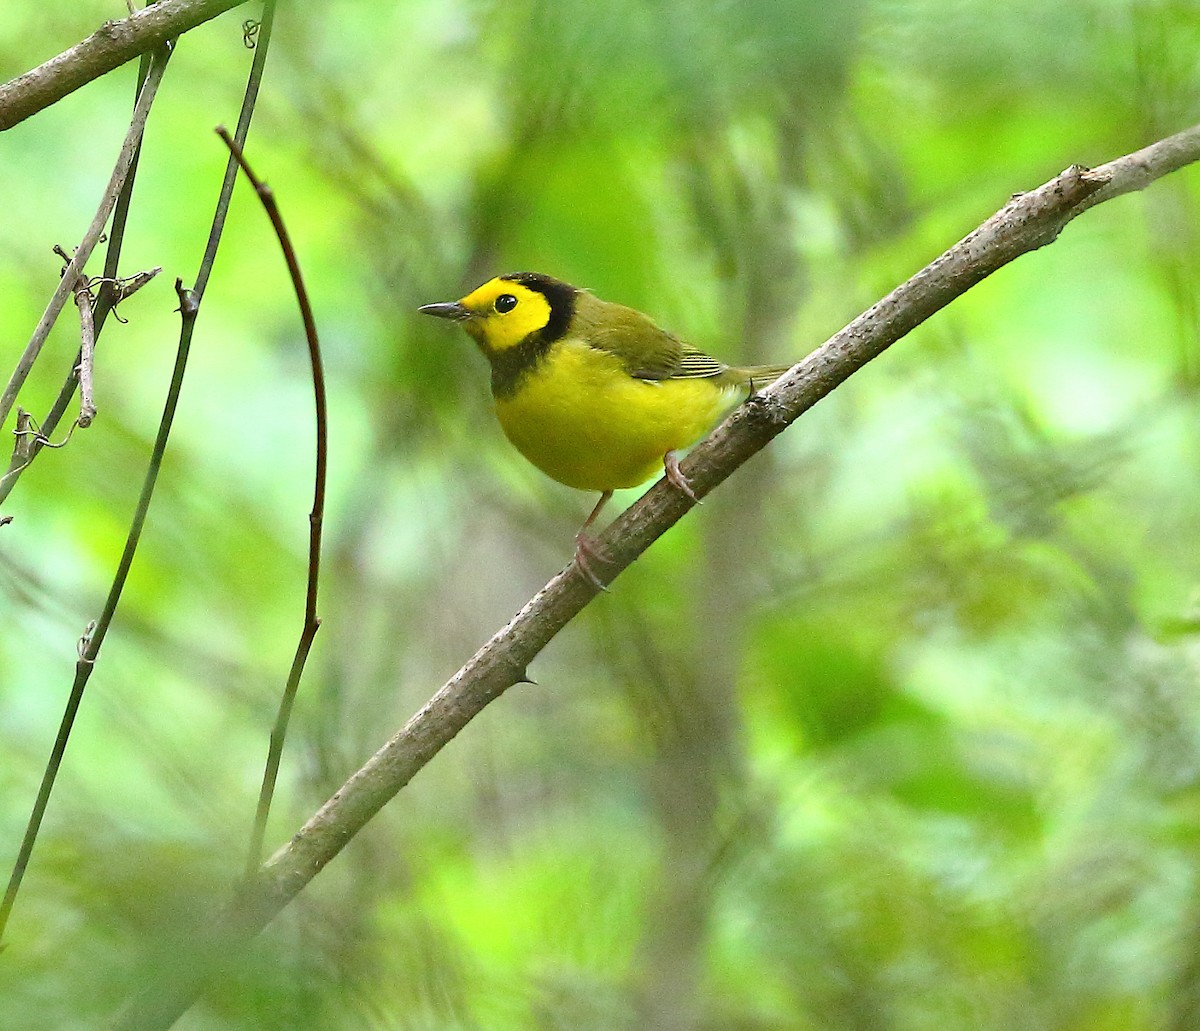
(594,393)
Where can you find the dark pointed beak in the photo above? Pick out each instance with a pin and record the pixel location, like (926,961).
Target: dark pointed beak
(446,310)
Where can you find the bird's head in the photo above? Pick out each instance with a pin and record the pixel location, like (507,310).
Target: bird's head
(509,310)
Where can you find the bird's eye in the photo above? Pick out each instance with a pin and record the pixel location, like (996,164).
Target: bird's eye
(505,303)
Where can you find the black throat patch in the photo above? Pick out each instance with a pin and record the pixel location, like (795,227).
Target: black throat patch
(511,366)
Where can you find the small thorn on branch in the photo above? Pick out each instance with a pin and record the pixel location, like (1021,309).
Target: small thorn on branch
(189,303)
(84,644)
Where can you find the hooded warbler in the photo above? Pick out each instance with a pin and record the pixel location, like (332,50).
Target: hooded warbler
(594,393)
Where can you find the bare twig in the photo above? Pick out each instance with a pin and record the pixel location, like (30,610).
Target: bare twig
(109,47)
(87,352)
(106,301)
(91,237)
(315,520)
(1027,222)
(110,293)
(130,285)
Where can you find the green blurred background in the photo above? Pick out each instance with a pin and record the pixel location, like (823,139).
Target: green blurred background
(899,731)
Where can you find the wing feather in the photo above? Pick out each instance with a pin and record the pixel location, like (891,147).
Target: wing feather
(646,350)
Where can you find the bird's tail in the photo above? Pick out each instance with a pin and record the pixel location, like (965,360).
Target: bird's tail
(758,376)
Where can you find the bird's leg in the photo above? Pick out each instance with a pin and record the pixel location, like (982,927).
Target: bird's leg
(586,549)
(675,476)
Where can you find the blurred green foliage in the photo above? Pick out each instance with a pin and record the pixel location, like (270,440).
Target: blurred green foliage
(899,731)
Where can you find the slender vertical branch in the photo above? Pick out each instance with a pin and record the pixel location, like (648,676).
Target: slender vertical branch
(316,517)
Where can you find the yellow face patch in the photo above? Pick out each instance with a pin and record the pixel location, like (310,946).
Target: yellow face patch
(504,313)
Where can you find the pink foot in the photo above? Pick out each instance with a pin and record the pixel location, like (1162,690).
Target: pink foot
(676,478)
(587,552)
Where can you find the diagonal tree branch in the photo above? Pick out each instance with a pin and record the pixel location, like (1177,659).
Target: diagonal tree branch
(1028,221)
(109,47)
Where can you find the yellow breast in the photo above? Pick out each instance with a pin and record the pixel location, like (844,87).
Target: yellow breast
(583,420)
